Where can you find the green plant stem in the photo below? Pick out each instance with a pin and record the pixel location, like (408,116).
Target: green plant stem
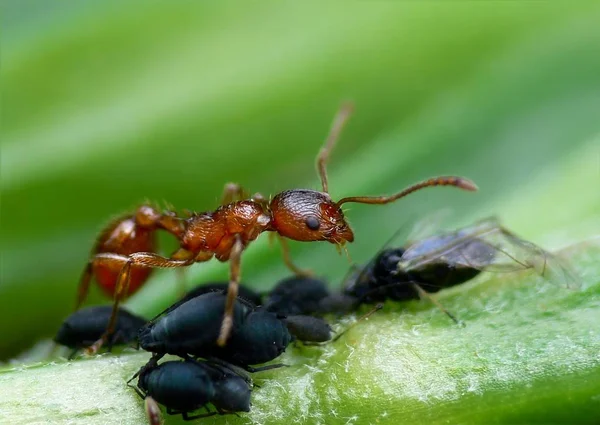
(528,354)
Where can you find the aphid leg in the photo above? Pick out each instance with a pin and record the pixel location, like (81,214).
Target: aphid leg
(360,319)
(152,411)
(151,363)
(187,417)
(137,390)
(147,259)
(73,354)
(337,125)
(285,251)
(84,284)
(424,294)
(263,368)
(232,290)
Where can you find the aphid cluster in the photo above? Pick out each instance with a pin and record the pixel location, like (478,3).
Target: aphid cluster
(223,332)
(209,373)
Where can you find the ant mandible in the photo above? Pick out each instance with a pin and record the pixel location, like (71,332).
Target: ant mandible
(125,250)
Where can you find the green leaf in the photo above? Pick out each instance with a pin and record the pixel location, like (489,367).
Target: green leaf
(107,104)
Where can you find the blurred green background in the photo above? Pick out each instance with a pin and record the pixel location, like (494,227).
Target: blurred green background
(108,104)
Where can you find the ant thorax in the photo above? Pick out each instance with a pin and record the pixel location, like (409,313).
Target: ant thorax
(215,231)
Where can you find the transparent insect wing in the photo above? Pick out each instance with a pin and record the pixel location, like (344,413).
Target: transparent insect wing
(461,248)
(490,247)
(550,266)
(427,227)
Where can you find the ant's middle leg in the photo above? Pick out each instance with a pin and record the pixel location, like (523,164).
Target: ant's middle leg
(147,259)
(233,192)
(285,251)
(232,290)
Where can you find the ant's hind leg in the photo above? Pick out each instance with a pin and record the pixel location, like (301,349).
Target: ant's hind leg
(232,290)
(146,259)
(84,284)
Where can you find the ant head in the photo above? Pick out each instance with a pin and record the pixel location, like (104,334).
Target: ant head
(308,215)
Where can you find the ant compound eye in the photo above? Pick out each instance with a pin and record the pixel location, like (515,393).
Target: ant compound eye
(312,222)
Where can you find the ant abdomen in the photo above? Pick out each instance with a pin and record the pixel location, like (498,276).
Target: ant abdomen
(123,236)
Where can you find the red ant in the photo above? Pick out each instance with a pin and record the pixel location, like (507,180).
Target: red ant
(125,250)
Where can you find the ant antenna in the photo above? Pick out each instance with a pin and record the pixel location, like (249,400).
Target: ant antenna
(455,181)
(361,318)
(334,133)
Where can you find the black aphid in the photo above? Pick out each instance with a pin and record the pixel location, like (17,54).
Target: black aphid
(85,326)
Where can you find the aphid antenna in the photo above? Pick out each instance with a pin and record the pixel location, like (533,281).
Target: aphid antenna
(222,365)
(361,318)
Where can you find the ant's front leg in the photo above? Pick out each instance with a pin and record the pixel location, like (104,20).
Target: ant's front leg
(232,290)
(146,259)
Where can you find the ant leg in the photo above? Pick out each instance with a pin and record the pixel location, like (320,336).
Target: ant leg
(337,125)
(233,192)
(152,411)
(121,289)
(148,217)
(285,251)
(232,290)
(424,294)
(181,283)
(84,285)
(148,259)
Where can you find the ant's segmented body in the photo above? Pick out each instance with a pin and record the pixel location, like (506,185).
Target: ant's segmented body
(126,248)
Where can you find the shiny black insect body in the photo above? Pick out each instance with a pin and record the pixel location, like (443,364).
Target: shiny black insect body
(308,328)
(186,386)
(244,292)
(191,328)
(297,295)
(87,325)
(449,259)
